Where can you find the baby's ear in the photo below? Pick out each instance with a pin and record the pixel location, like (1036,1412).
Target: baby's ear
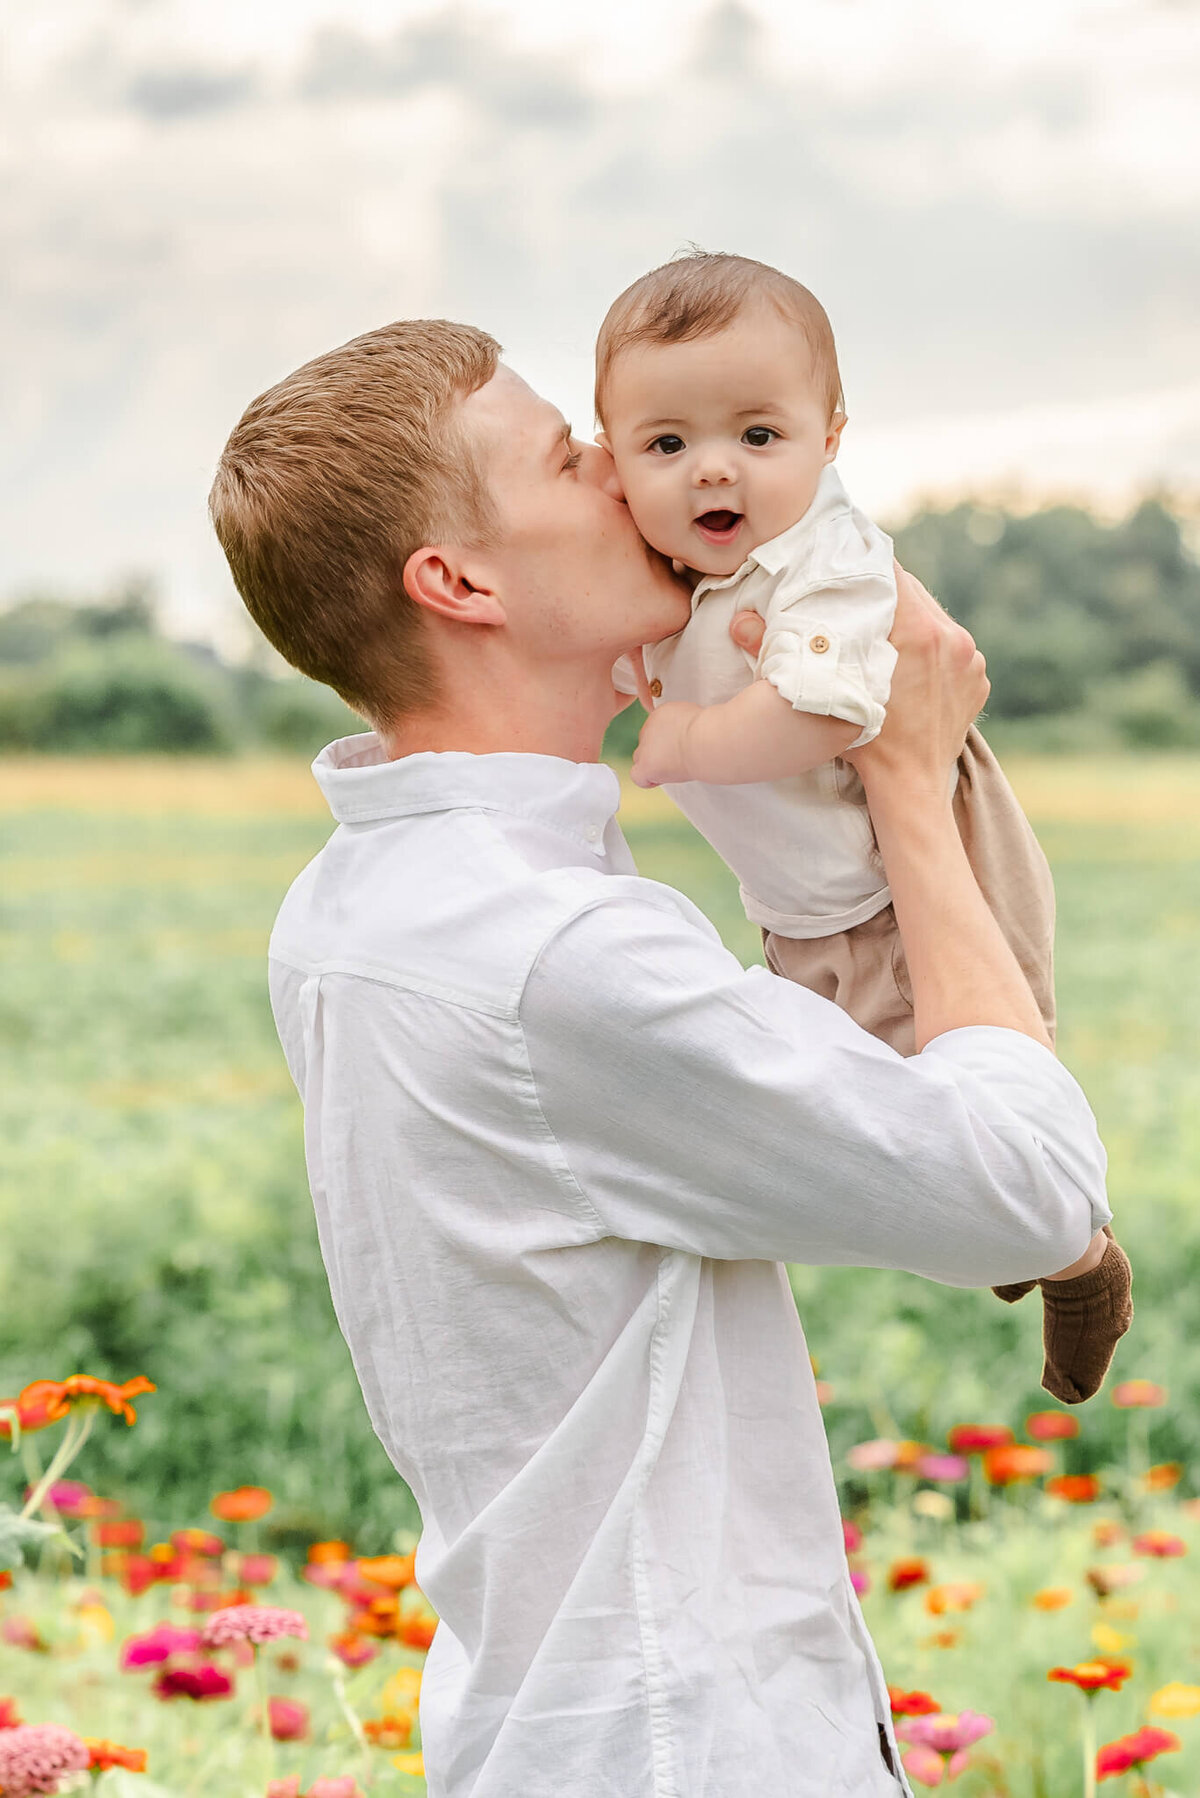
(833,435)
(602,440)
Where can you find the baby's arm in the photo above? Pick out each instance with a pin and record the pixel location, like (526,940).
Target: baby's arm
(756,735)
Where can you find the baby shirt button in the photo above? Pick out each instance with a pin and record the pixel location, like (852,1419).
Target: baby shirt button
(818,645)
(656,688)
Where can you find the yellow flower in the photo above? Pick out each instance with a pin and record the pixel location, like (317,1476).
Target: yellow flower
(1175,1700)
(413,1764)
(401,1691)
(96,1624)
(1110,1641)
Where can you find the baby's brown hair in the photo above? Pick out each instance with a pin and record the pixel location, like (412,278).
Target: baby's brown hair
(700,293)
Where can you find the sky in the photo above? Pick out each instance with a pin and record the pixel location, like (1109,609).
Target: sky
(998,206)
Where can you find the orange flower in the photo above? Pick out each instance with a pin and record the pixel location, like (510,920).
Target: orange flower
(910,1570)
(1053,1598)
(5,1579)
(1013,1461)
(392,1731)
(1159,1543)
(44,1402)
(328,1553)
(1075,1488)
(1093,1676)
(912,1704)
(243,1505)
(1138,1394)
(1164,1476)
(111,1754)
(1107,1532)
(127,1532)
(1051,1426)
(416,1628)
(959,1595)
(393,1571)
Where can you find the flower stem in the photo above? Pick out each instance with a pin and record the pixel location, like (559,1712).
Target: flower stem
(78,1430)
(1089,1746)
(264,1709)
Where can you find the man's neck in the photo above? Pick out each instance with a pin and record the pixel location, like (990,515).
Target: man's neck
(566,717)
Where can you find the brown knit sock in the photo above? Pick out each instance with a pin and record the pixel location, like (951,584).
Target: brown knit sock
(1082,1321)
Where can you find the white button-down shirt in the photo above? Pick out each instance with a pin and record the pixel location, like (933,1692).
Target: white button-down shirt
(803,848)
(559,1143)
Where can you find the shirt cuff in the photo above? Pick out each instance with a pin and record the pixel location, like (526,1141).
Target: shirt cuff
(808,671)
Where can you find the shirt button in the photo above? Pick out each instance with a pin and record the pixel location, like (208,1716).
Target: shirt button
(656,688)
(593,833)
(818,645)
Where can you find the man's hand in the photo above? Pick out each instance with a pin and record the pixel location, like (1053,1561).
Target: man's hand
(661,753)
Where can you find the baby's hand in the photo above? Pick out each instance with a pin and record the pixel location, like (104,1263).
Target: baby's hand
(661,753)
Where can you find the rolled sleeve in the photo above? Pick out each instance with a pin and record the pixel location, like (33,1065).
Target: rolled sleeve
(722,1111)
(826,649)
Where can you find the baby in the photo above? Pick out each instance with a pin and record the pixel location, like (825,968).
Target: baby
(719,397)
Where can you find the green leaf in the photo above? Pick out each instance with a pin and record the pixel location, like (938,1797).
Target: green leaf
(20,1534)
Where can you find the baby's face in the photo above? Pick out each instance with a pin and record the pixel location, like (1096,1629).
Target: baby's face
(719,443)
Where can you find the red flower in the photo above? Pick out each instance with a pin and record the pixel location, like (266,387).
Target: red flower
(205,1681)
(1051,1426)
(5,1579)
(35,1406)
(256,1570)
(1007,1463)
(198,1542)
(111,1754)
(911,1570)
(128,1533)
(1159,1543)
(912,1704)
(1093,1676)
(1128,1752)
(243,1505)
(976,1438)
(8,1714)
(352,1649)
(416,1628)
(1075,1488)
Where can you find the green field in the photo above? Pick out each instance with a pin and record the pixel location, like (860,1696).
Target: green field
(154,1216)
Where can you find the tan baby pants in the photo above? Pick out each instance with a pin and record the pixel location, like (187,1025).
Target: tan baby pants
(863,969)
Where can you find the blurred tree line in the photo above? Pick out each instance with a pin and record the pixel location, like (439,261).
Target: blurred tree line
(1091,629)
(103,679)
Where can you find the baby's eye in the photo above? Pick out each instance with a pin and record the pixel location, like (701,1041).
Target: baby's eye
(758,436)
(667,446)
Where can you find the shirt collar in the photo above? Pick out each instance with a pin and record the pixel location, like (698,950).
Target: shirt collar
(577,799)
(778,552)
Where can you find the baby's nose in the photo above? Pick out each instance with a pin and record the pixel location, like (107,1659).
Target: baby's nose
(713,469)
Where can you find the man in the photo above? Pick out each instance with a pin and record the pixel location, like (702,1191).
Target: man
(559,1141)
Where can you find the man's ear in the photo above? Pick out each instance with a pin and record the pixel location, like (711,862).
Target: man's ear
(438,580)
(833,435)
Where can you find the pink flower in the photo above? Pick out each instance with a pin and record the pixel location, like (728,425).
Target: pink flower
(1138,1394)
(860,1581)
(199,1683)
(252,1623)
(36,1757)
(158,1644)
(256,1570)
(20,1632)
(285,1788)
(333,1788)
(852,1536)
(289,1719)
(68,1497)
(925,1765)
(873,1457)
(947,1468)
(946,1734)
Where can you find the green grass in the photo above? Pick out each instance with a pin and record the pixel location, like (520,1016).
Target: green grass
(154,1215)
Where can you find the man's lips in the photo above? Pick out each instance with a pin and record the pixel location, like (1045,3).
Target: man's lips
(719,527)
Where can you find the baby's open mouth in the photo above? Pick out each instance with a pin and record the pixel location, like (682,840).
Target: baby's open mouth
(719,527)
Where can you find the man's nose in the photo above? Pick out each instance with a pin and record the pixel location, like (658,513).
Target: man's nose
(598,467)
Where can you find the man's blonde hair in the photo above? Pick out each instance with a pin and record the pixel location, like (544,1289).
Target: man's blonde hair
(700,293)
(329,482)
